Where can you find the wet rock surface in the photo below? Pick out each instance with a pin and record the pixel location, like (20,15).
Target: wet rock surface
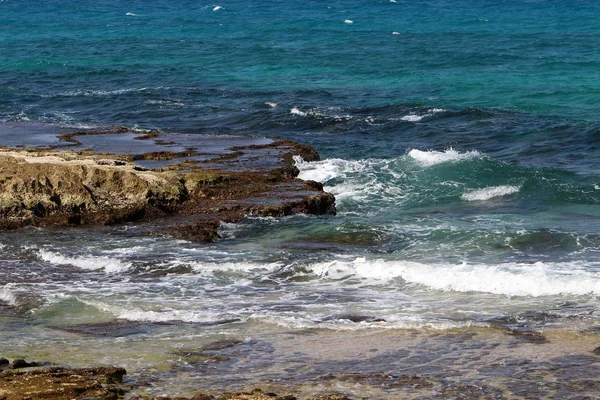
(473,365)
(104,177)
(256,394)
(55,383)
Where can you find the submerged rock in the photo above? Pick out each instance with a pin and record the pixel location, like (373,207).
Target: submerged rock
(21,363)
(223,182)
(256,394)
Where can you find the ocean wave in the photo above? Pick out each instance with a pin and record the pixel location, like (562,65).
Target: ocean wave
(416,117)
(101,93)
(90,263)
(490,192)
(511,279)
(432,157)
(405,322)
(296,111)
(331,113)
(20,117)
(326,170)
(341,171)
(243,267)
(165,103)
(426,178)
(164,315)
(8,297)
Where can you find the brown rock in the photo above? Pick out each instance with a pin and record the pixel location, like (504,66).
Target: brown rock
(62,383)
(60,188)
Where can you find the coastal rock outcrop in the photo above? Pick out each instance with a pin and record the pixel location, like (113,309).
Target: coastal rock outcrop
(51,190)
(74,184)
(57,383)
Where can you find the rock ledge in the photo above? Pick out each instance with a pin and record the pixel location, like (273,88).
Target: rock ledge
(200,180)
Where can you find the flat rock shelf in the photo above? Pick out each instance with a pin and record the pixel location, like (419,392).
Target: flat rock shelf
(186,184)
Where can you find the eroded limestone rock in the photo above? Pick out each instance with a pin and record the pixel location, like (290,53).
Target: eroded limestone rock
(49,187)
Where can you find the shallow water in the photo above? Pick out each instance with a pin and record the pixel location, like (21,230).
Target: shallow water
(461,140)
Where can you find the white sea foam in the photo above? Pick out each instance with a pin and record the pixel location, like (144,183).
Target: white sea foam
(271,104)
(313,112)
(91,263)
(323,171)
(413,117)
(163,315)
(395,33)
(131,14)
(512,279)
(416,117)
(21,117)
(8,297)
(300,322)
(348,21)
(490,192)
(432,157)
(165,102)
(344,172)
(296,111)
(209,267)
(596,187)
(92,92)
(217,8)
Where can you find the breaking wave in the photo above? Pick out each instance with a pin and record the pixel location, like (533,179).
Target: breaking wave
(490,192)
(511,279)
(90,263)
(432,157)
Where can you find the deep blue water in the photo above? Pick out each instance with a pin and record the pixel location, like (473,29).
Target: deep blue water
(461,139)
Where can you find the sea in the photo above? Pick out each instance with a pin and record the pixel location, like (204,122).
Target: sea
(461,139)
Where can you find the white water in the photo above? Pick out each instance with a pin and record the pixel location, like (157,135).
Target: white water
(432,157)
(510,279)
(7,296)
(490,192)
(90,263)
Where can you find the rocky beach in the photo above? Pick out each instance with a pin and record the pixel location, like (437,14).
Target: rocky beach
(113,178)
(187,187)
(271,199)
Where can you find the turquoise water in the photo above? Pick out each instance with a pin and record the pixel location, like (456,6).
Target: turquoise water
(529,57)
(461,139)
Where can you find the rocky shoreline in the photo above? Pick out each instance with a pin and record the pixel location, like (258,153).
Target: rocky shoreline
(21,380)
(182,185)
(188,183)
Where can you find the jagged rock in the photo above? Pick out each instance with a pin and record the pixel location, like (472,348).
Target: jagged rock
(44,187)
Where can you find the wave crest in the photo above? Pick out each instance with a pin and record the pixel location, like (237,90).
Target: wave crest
(511,279)
(90,263)
(490,192)
(432,157)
